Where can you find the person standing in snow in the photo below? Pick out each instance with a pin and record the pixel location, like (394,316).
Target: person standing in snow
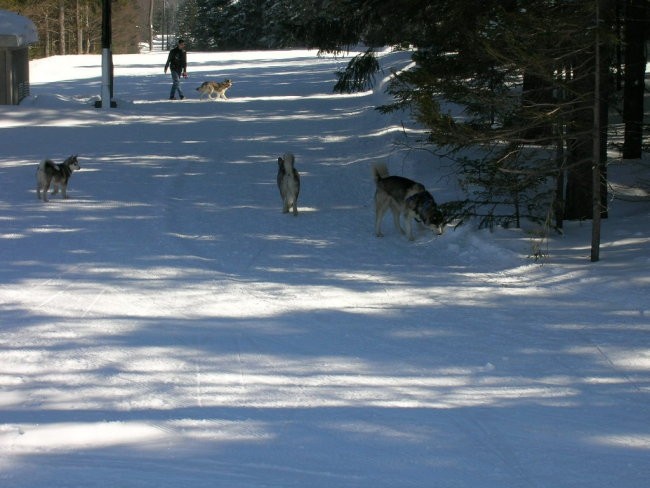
(177,62)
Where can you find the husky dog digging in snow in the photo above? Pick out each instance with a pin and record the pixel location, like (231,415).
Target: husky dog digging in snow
(208,88)
(49,172)
(404,197)
(288,183)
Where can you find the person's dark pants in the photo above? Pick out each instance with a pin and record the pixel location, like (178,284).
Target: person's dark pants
(176,85)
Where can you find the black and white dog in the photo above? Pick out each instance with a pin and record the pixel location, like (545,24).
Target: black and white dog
(404,197)
(288,183)
(49,172)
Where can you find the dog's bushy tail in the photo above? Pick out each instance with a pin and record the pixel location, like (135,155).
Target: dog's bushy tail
(379,171)
(47,162)
(288,161)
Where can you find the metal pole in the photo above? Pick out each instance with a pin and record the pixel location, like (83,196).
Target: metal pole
(107,81)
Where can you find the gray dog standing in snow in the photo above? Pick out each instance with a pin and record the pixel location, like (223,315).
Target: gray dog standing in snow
(49,172)
(288,183)
(407,198)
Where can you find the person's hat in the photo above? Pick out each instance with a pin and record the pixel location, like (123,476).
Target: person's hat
(181,41)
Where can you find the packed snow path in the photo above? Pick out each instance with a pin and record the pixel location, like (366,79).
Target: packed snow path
(168,326)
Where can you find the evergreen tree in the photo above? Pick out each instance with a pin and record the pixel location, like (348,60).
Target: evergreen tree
(466,88)
(636,33)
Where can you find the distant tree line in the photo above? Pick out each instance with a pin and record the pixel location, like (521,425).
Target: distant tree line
(75,26)
(237,25)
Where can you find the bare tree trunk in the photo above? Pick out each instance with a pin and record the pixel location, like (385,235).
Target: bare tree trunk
(635,64)
(558,204)
(48,40)
(80,37)
(87,24)
(619,38)
(585,151)
(578,195)
(596,175)
(62,27)
(150,25)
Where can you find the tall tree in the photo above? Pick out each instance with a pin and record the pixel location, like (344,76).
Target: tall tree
(62,49)
(636,32)
(150,23)
(591,88)
(472,54)
(79,25)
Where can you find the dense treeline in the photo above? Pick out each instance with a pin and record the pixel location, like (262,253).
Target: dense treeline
(244,24)
(75,26)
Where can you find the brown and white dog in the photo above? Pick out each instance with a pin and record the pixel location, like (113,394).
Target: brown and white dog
(49,172)
(288,183)
(218,88)
(404,197)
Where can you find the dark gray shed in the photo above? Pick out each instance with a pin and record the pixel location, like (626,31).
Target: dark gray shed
(16,34)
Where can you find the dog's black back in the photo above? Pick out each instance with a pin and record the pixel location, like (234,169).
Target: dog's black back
(398,187)
(287,170)
(58,172)
(288,183)
(49,172)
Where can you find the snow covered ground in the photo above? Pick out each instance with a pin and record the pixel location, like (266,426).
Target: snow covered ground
(168,326)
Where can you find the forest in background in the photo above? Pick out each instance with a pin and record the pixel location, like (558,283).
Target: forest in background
(75,26)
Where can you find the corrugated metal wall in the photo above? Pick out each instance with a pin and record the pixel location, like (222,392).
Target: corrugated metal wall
(14,75)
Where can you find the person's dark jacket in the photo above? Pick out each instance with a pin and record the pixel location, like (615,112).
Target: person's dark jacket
(177,60)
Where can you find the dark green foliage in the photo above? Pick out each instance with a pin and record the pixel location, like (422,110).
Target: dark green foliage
(504,192)
(359,73)
(519,79)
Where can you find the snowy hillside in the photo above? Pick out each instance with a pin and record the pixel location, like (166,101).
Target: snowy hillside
(167,326)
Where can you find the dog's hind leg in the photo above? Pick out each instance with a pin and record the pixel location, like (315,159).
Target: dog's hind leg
(396,215)
(46,187)
(285,204)
(380,209)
